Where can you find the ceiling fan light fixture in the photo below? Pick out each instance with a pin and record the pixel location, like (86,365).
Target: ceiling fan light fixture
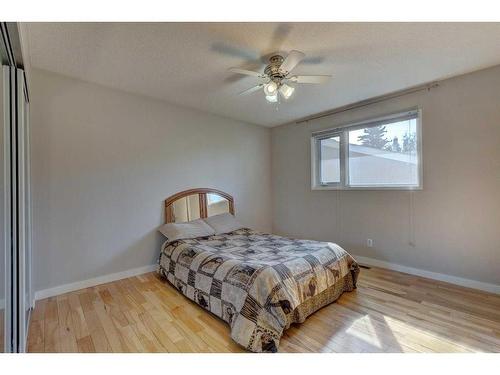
(276,73)
(286,91)
(271,88)
(272,98)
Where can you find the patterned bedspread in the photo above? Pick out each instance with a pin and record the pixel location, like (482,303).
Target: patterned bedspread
(258,283)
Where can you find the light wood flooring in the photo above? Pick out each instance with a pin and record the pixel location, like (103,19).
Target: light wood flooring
(389,312)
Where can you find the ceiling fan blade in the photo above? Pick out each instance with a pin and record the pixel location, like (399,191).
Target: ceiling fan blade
(279,36)
(251,89)
(313,60)
(246,72)
(291,61)
(310,79)
(235,51)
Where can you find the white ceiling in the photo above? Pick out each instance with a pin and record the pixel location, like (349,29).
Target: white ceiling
(186,63)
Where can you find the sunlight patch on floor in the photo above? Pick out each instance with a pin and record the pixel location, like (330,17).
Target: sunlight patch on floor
(363,329)
(425,338)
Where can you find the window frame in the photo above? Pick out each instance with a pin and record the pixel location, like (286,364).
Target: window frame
(342,131)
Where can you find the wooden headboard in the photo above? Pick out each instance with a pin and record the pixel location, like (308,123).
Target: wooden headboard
(202,196)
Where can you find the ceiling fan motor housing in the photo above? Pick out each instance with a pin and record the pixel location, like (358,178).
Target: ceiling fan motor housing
(273,69)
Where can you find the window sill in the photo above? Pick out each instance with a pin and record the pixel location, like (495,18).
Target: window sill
(361,188)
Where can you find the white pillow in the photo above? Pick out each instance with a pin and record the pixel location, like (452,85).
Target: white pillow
(190,229)
(223,223)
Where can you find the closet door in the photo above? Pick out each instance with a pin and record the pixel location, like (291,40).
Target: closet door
(15,199)
(3,254)
(8,274)
(15,282)
(23,214)
(28,291)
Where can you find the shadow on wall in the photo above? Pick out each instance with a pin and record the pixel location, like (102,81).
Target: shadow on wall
(151,241)
(120,262)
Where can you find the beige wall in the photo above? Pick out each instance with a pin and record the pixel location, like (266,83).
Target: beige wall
(454,221)
(103,161)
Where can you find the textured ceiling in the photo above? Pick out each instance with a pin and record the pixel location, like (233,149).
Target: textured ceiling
(186,63)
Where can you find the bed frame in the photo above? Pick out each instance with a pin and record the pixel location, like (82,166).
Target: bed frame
(202,196)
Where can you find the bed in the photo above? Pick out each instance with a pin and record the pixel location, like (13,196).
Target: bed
(258,283)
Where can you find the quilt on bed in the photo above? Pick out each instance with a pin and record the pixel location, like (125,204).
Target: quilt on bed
(258,283)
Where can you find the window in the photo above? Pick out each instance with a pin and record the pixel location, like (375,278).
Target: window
(329,157)
(381,153)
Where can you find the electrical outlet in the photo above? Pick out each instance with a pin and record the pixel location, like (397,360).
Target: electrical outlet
(369,242)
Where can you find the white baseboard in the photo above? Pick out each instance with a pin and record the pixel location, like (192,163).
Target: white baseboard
(61,289)
(492,288)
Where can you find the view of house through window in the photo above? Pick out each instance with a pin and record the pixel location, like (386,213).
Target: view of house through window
(384,155)
(330,160)
(379,153)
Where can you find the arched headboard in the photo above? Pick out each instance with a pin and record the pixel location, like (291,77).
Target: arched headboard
(202,202)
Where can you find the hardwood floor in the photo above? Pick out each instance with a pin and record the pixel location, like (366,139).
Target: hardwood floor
(389,312)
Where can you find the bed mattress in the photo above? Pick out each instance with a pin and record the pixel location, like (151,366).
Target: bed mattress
(258,283)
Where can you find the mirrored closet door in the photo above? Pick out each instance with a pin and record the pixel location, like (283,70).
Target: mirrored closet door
(16,300)
(3,254)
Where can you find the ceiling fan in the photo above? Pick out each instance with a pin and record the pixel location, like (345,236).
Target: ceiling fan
(277,76)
